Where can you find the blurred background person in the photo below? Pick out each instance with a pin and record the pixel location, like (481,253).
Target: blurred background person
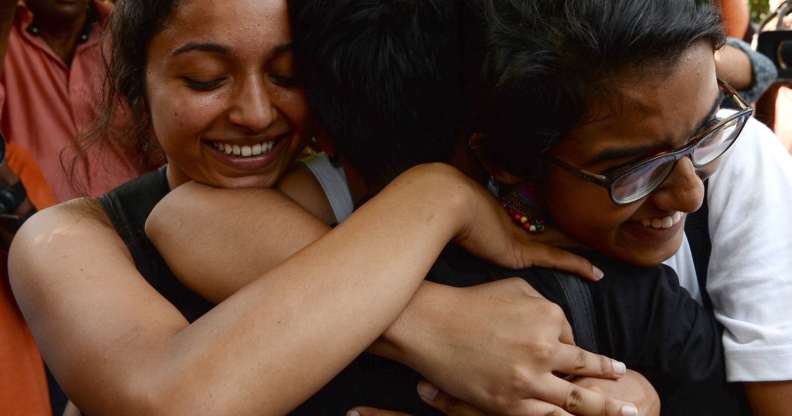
(50,86)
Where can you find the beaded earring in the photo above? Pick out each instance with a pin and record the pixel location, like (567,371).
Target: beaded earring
(521,206)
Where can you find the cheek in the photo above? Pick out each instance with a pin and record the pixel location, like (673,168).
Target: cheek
(584,211)
(176,114)
(294,106)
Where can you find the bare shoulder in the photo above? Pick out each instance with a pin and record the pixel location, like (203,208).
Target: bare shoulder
(301,186)
(58,237)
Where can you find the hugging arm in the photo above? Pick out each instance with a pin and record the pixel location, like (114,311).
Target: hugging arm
(118,347)
(257,227)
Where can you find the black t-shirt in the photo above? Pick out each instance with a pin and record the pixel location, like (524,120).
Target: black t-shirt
(636,315)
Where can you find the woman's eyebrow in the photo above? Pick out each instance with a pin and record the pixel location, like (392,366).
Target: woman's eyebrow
(202,47)
(653,148)
(714,110)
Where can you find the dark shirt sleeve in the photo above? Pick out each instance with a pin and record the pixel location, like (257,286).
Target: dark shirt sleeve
(646,319)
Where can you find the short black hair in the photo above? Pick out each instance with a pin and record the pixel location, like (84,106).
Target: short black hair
(383,78)
(547,60)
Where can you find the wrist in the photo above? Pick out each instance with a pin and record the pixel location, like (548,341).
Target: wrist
(410,339)
(446,191)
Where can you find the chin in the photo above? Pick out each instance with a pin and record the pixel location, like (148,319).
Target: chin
(647,257)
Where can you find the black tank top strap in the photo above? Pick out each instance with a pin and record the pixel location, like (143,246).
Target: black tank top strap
(128,207)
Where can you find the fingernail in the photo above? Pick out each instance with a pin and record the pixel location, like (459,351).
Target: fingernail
(619,367)
(598,274)
(629,410)
(427,392)
(353,413)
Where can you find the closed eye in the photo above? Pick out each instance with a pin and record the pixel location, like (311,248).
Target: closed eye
(203,86)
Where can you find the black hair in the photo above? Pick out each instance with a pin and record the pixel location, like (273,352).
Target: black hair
(383,78)
(548,60)
(123,122)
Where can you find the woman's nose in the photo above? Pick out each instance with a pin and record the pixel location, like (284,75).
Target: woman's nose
(252,108)
(682,191)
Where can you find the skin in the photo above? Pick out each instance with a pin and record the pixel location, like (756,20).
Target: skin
(234,88)
(652,118)
(650,121)
(632,386)
(145,358)
(667,127)
(423,337)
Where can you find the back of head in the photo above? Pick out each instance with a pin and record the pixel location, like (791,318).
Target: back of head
(549,60)
(383,79)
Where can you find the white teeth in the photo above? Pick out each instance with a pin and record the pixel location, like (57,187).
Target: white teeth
(662,223)
(244,151)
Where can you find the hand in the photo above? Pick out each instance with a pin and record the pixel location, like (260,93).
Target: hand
(433,397)
(501,350)
(633,387)
(488,232)
(454,407)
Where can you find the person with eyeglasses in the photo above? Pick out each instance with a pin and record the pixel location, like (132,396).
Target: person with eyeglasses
(701,136)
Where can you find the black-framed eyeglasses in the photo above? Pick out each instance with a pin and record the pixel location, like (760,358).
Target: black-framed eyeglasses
(630,183)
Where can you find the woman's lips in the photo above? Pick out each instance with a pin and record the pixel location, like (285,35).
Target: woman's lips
(248,157)
(657,230)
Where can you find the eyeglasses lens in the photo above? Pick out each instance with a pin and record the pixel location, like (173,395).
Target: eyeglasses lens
(716,143)
(640,182)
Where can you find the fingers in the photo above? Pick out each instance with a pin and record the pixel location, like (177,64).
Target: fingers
(567,336)
(581,401)
(570,359)
(445,403)
(556,258)
(370,411)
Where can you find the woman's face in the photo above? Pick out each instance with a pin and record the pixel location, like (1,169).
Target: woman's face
(222,96)
(656,113)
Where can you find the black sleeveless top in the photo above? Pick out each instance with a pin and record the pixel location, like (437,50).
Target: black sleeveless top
(640,316)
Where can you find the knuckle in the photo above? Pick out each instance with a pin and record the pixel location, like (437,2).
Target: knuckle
(574,401)
(554,312)
(605,365)
(580,360)
(542,351)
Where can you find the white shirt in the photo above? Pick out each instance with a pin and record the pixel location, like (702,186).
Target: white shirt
(750,269)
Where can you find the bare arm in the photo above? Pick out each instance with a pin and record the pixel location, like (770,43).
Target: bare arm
(770,399)
(118,347)
(215,254)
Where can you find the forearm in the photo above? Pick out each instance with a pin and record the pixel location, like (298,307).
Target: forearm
(770,398)
(321,292)
(216,241)
(734,67)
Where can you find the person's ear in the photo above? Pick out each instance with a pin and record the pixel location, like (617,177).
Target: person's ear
(500,175)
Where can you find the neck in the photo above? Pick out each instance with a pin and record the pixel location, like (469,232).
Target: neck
(62,36)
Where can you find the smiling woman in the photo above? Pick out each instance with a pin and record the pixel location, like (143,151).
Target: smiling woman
(212,83)
(222,95)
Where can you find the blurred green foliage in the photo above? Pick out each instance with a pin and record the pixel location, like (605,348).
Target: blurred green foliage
(759,9)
